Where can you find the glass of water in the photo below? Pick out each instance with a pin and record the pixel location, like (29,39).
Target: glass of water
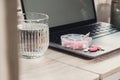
(33,34)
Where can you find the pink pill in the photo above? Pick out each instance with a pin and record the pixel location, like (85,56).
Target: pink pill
(94,48)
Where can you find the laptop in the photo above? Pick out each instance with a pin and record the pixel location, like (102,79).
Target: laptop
(77,17)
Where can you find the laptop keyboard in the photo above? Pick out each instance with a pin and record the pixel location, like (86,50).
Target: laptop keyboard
(96,30)
(102,29)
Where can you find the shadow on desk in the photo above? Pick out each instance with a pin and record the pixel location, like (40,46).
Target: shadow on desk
(104,57)
(70,53)
(110,55)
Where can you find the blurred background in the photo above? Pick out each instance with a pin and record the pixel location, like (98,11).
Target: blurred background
(8,42)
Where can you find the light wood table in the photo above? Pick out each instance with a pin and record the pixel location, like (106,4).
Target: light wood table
(104,66)
(46,68)
(55,65)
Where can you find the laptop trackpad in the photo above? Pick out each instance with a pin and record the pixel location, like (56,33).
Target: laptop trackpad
(108,43)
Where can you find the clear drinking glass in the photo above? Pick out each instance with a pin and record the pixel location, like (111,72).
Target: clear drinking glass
(115,13)
(33,33)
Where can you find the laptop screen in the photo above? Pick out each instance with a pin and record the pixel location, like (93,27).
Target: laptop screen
(62,12)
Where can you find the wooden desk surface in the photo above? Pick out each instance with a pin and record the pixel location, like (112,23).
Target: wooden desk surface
(56,65)
(49,69)
(103,65)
